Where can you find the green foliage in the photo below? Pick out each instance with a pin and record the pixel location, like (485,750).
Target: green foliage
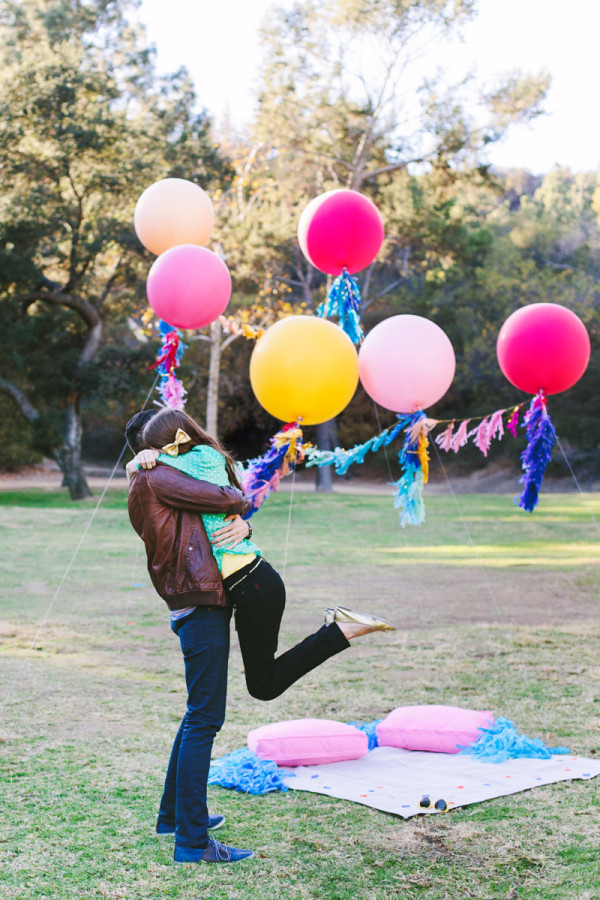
(85,126)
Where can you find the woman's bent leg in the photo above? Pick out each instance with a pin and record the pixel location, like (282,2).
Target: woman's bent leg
(259,602)
(204,640)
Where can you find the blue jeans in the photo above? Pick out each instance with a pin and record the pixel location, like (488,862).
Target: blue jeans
(204,637)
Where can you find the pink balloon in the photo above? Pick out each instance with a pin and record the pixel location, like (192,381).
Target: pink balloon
(406,363)
(543,346)
(188,286)
(340,229)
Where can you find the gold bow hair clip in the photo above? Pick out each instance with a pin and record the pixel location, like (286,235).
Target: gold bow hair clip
(180,438)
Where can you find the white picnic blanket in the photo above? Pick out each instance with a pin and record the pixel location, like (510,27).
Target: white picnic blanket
(395,780)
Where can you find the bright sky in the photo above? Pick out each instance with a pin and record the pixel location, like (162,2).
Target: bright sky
(218,44)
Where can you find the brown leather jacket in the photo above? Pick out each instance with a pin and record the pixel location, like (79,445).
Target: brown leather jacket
(164,508)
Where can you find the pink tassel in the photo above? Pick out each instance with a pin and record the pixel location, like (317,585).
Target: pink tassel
(513,422)
(461,436)
(496,428)
(482,436)
(444,440)
(172,392)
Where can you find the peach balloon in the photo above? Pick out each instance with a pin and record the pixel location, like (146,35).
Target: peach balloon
(406,363)
(172,212)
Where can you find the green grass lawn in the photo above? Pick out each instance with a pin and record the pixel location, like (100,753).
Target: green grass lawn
(496,608)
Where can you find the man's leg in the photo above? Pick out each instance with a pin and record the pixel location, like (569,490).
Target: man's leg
(166,813)
(204,640)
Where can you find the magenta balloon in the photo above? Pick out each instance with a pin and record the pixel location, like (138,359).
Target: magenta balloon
(188,286)
(406,363)
(543,346)
(340,229)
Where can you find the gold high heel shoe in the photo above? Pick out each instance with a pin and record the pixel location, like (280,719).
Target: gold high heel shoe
(343,614)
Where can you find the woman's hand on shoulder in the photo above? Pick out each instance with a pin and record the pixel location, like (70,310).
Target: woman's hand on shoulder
(146,459)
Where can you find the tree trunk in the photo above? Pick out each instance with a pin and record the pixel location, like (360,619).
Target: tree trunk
(68,456)
(214,374)
(326,440)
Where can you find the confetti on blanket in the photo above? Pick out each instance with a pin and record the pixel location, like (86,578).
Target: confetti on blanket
(394,780)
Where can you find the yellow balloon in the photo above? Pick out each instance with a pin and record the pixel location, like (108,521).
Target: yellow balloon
(304,368)
(172,212)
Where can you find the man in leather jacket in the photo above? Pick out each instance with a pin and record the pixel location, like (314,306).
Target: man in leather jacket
(165,508)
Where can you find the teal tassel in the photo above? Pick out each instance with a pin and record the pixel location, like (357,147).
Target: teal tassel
(343,301)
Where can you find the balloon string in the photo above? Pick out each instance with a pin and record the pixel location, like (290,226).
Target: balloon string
(385,450)
(470,538)
(289,524)
(50,606)
(589,509)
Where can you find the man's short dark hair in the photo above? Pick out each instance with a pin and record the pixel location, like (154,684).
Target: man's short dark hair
(135,426)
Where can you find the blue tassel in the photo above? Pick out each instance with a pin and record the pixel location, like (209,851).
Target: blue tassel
(244,771)
(409,496)
(369,729)
(409,487)
(502,741)
(538,452)
(343,301)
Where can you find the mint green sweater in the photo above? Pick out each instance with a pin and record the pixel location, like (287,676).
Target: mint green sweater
(207,464)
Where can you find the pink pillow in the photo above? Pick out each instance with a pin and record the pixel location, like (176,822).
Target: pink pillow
(437,728)
(308,742)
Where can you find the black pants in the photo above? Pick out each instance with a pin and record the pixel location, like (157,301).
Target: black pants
(257,595)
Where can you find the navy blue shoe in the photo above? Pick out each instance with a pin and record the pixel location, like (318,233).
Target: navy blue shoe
(214,853)
(214,822)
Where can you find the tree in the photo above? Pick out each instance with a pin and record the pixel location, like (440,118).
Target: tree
(85,126)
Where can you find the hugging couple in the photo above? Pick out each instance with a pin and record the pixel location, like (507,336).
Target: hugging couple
(186,504)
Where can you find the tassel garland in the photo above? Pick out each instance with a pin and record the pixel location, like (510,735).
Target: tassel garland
(414,460)
(343,301)
(538,452)
(264,474)
(171,390)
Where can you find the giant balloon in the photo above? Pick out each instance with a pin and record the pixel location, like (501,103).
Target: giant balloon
(304,367)
(406,363)
(543,346)
(188,286)
(340,229)
(171,212)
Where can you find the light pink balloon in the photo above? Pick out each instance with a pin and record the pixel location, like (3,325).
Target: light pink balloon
(188,286)
(406,363)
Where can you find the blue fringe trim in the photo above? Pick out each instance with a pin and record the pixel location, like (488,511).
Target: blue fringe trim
(538,452)
(244,771)
(343,459)
(369,729)
(502,741)
(343,301)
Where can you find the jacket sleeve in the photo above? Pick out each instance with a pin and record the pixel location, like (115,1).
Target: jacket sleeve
(174,488)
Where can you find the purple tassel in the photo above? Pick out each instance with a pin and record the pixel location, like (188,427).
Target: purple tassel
(513,422)
(538,452)
(264,473)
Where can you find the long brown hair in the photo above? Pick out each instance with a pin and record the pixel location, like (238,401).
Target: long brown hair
(162,428)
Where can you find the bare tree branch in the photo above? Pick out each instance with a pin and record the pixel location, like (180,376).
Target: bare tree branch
(26,408)
(87,312)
